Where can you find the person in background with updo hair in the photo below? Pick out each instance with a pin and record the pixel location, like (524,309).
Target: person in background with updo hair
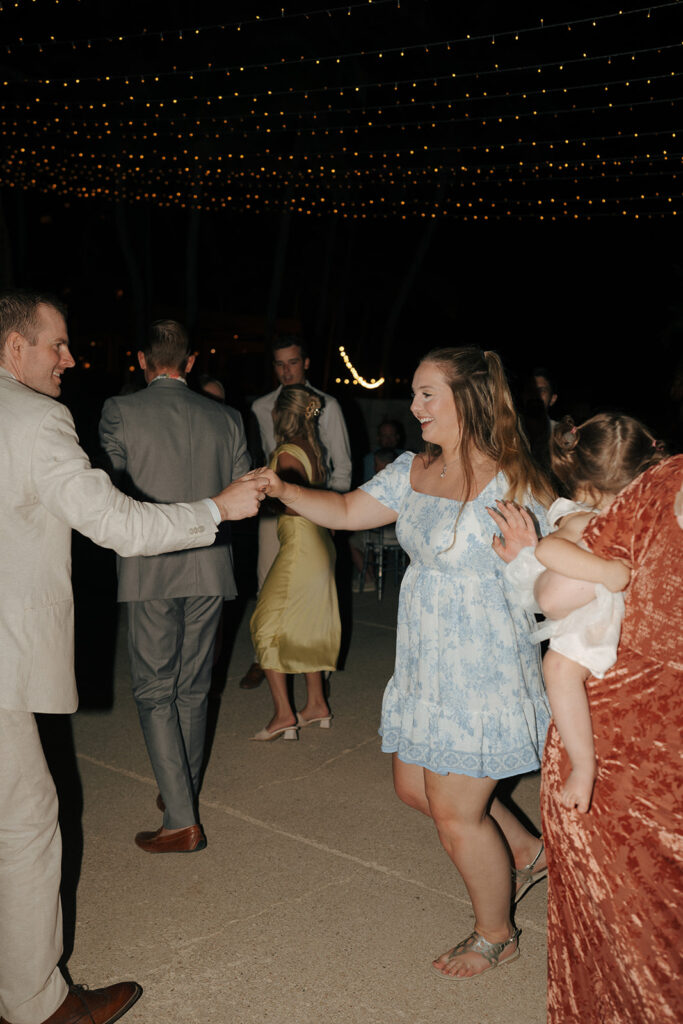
(593,462)
(466,705)
(295,626)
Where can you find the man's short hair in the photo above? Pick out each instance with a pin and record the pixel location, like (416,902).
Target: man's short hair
(167,345)
(19,312)
(286,341)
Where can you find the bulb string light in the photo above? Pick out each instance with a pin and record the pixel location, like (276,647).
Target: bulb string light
(493,120)
(433,104)
(153,78)
(433,151)
(179,32)
(567,209)
(426,131)
(183,32)
(356,377)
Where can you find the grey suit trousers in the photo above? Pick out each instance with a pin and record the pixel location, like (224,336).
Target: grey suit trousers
(171,645)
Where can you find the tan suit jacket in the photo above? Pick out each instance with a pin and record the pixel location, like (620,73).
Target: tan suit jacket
(48,487)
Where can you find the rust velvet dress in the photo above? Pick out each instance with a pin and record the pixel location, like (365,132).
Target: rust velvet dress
(614,898)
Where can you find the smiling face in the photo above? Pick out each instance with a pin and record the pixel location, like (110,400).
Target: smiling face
(289,365)
(434,407)
(40,365)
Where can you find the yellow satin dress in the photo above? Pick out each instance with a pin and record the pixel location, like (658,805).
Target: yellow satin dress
(295,626)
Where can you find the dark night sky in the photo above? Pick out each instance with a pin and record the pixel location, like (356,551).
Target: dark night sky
(600,301)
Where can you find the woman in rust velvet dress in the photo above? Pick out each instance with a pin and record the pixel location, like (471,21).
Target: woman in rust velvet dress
(614,899)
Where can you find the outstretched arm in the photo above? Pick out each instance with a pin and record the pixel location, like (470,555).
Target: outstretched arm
(353,511)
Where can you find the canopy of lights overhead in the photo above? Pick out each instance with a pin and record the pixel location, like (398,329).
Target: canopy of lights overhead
(371,109)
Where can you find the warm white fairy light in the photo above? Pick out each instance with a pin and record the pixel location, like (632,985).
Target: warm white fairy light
(357,379)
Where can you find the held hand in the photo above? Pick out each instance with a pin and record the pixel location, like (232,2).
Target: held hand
(517,527)
(270,481)
(242,498)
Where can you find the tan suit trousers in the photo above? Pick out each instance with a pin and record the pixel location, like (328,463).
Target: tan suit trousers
(31,987)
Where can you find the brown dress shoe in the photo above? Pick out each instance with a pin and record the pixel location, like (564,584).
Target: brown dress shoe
(185,840)
(94,1006)
(253,678)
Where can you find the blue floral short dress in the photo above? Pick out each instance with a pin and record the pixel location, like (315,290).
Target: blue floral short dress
(467,692)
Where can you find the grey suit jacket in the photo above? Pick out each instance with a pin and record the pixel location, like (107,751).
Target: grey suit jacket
(47,486)
(168,443)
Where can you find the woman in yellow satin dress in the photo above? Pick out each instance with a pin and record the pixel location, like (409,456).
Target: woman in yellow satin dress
(295,626)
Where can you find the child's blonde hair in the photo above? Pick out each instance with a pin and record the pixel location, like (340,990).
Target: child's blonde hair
(602,455)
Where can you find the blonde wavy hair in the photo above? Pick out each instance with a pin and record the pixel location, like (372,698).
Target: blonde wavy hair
(297,409)
(489,423)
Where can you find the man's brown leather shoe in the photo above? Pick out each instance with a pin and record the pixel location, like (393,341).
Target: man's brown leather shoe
(185,840)
(253,677)
(94,1006)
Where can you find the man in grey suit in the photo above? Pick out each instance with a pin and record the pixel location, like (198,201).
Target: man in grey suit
(167,443)
(48,487)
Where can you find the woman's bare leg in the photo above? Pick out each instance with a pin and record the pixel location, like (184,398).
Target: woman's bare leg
(471,838)
(409,783)
(316,705)
(523,845)
(283,716)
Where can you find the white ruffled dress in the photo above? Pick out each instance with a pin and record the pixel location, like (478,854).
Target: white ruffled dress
(588,635)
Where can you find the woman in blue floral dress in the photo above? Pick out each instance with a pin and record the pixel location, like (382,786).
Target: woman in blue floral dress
(466,705)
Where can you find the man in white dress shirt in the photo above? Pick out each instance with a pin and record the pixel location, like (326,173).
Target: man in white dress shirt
(48,488)
(290,363)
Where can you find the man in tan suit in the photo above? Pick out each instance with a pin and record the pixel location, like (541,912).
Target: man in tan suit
(48,488)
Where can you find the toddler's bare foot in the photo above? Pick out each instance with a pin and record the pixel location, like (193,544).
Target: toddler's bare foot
(578,789)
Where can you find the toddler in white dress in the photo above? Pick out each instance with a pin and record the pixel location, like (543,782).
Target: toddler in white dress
(593,462)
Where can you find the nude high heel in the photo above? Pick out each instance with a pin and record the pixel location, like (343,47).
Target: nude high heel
(290,733)
(325,721)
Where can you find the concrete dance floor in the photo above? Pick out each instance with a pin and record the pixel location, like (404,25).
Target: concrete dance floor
(320,898)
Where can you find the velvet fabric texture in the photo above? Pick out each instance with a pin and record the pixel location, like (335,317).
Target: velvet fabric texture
(614,897)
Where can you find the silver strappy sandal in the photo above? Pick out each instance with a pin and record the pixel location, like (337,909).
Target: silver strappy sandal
(526,878)
(491,951)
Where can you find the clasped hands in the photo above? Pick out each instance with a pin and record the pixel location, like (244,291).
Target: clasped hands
(242,498)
